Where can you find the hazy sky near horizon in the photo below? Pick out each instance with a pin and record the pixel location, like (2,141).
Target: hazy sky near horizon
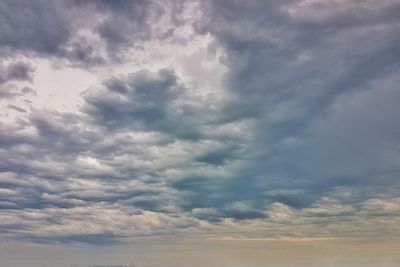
(183,124)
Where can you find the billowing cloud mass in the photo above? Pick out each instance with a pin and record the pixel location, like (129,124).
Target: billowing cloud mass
(218,119)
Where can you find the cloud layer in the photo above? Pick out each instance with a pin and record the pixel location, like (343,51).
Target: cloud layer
(213,118)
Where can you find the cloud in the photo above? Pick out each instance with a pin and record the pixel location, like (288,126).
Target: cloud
(142,99)
(84,34)
(298,137)
(17,71)
(33,26)
(288,70)
(16,108)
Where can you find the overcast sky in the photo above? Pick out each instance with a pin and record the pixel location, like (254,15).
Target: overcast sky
(201,128)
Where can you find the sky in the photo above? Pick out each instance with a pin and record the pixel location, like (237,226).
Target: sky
(185,133)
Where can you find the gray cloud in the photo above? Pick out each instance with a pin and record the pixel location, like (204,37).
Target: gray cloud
(59,30)
(17,71)
(33,26)
(141,99)
(305,142)
(289,67)
(16,108)
(43,28)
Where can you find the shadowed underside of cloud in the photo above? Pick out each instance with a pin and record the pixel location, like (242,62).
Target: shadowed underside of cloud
(303,142)
(83,33)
